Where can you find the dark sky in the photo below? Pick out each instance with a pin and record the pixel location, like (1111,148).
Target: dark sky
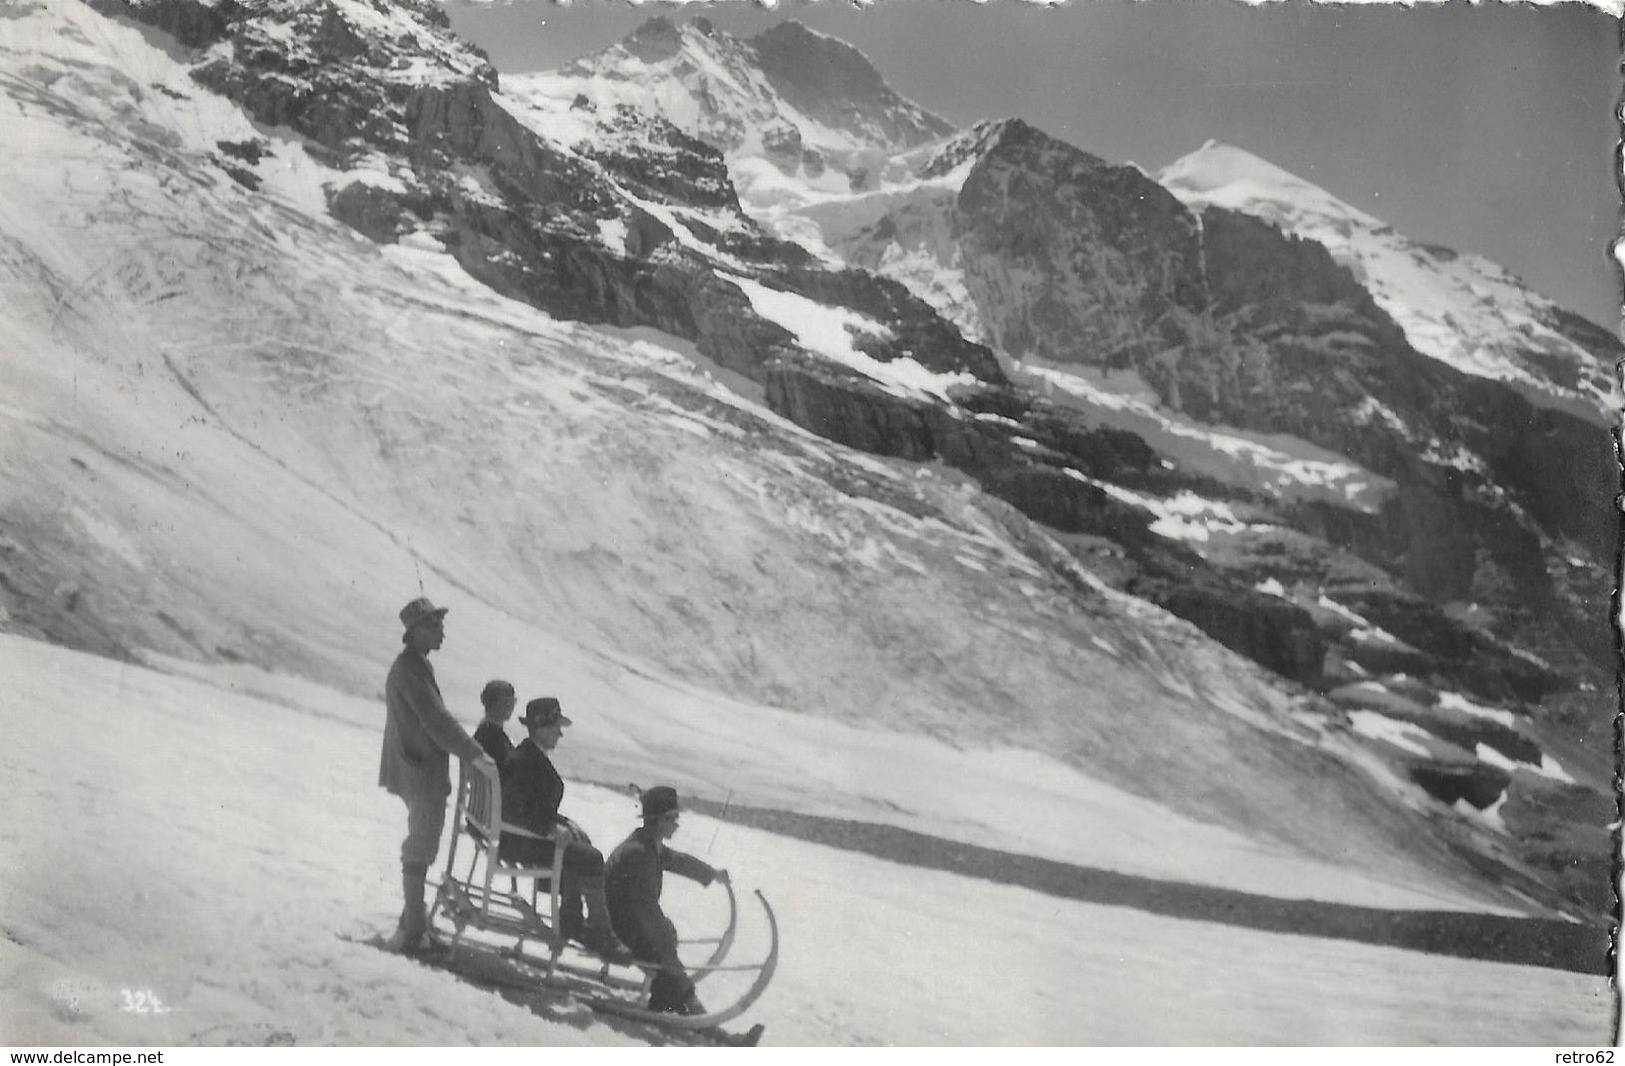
(1487,128)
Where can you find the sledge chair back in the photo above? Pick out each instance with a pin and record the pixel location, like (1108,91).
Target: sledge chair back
(491,908)
(483,801)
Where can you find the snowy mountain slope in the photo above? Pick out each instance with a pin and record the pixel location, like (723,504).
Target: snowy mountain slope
(246,434)
(577,498)
(1135,277)
(1136,286)
(1463,310)
(902,228)
(1297,439)
(220,897)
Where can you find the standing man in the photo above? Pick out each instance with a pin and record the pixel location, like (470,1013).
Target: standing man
(420,735)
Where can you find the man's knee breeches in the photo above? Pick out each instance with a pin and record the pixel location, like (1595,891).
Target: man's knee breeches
(425,819)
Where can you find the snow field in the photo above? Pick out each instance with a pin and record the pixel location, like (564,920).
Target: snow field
(208,849)
(218,869)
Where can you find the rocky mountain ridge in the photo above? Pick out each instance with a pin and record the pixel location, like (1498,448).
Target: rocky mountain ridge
(788,102)
(1462,310)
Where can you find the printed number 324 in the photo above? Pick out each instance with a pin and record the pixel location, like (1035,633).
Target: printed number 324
(143,1001)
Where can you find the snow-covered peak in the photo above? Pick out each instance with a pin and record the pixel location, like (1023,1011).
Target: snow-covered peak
(1230,177)
(705,82)
(787,106)
(1463,310)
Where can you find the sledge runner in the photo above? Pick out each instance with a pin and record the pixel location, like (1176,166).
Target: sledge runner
(634,878)
(420,736)
(531,794)
(497,697)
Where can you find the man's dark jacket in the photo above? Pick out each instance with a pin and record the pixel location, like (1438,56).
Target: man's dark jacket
(531,793)
(633,881)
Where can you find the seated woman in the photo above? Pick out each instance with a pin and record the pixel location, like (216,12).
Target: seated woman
(531,793)
(498,699)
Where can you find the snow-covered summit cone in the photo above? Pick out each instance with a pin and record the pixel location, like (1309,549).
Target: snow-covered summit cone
(1461,309)
(795,111)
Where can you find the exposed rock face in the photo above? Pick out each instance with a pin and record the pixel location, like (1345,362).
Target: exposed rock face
(1236,323)
(829,80)
(850,411)
(1463,730)
(1474,433)
(461,123)
(1263,628)
(1473,660)
(1070,258)
(1450,782)
(193,23)
(1562,829)
(655,159)
(1557,464)
(306,67)
(1035,478)
(1284,314)
(375,214)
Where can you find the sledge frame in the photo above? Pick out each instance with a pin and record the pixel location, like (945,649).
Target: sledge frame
(477,899)
(711,1019)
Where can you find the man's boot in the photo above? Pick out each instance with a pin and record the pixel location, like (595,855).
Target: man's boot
(412,936)
(692,1007)
(669,994)
(750,1038)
